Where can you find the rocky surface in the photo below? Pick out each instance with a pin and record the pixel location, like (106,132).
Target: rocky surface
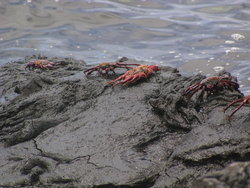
(236,175)
(60,128)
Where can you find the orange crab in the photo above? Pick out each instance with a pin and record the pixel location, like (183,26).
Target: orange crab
(135,74)
(243,101)
(41,64)
(104,68)
(211,84)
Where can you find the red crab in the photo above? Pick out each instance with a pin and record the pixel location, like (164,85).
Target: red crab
(106,67)
(243,101)
(135,74)
(211,84)
(41,64)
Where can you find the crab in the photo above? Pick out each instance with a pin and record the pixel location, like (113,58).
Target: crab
(41,64)
(211,84)
(135,74)
(104,68)
(243,101)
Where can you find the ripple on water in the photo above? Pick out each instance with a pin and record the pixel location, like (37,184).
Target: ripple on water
(196,36)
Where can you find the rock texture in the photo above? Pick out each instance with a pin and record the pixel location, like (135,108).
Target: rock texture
(236,175)
(60,128)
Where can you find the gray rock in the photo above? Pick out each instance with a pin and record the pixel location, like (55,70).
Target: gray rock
(60,128)
(236,175)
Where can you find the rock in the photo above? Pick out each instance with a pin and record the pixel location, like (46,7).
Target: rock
(60,128)
(236,175)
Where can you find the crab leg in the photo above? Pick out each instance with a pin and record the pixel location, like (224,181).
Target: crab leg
(244,101)
(237,109)
(231,84)
(236,101)
(49,66)
(129,80)
(136,78)
(100,71)
(201,94)
(124,81)
(133,75)
(89,71)
(117,79)
(190,88)
(43,67)
(193,90)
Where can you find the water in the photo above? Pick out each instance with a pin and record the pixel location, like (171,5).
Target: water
(196,36)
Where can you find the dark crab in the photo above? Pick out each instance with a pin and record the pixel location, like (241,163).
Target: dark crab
(41,64)
(242,101)
(211,84)
(104,68)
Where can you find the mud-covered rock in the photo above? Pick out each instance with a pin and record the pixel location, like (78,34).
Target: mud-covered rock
(60,128)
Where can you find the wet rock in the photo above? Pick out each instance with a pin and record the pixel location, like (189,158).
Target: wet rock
(60,128)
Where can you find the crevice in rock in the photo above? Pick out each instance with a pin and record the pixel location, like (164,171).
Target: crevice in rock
(60,180)
(217,159)
(64,160)
(56,157)
(176,128)
(30,130)
(144,144)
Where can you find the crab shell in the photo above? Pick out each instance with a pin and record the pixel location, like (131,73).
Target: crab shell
(41,64)
(135,74)
(211,84)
